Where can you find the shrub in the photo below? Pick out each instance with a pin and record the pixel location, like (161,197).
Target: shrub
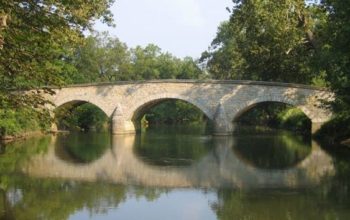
(336,130)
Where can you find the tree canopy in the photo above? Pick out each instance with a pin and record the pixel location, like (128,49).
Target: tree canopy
(36,38)
(104,58)
(264,40)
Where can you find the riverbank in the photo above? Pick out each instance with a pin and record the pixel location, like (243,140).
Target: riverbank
(10,138)
(26,135)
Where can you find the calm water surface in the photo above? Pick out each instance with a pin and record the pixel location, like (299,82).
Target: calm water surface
(168,173)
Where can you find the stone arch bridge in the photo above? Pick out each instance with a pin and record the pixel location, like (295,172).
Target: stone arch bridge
(221,101)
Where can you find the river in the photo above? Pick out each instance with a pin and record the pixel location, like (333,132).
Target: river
(174,173)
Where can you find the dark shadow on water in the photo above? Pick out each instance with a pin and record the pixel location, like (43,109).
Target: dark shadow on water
(172,145)
(79,147)
(271,149)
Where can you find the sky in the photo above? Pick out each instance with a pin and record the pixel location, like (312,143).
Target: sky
(181,27)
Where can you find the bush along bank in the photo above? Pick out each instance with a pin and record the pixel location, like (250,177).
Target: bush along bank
(21,123)
(336,131)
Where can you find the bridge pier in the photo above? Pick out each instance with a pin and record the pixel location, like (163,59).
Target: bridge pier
(122,126)
(315,126)
(222,125)
(53,128)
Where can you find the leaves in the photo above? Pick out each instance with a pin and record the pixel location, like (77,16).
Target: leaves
(106,59)
(263,40)
(36,38)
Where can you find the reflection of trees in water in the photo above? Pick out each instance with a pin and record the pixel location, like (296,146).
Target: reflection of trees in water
(16,153)
(82,147)
(6,212)
(276,204)
(56,199)
(13,155)
(338,188)
(328,200)
(170,149)
(277,151)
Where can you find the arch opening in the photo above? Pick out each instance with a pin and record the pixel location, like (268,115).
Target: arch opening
(169,112)
(276,115)
(81,115)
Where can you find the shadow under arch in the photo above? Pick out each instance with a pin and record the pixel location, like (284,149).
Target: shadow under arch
(66,108)
(138,110)
(300,117)
(78,102)
(245,108)
(141,104)
(82,148)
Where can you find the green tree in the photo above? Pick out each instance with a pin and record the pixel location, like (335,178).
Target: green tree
(102,58)
(264,40)
(36,40)
(145,62)
(269,40)
(334,61)
(190,70)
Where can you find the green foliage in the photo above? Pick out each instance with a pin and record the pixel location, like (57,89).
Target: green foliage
(76,116)
(287,41)
(173,112)
(264,40)
(105,59)
(336,130)
(36,41)
(335,57)
(276,115)
(333,61)
(15,122)
(101,58)
(294,119)
(265,113)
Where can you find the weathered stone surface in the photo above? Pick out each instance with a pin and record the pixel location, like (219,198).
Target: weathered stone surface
(125,101)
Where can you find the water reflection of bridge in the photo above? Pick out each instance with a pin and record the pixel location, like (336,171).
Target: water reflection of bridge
(219,168)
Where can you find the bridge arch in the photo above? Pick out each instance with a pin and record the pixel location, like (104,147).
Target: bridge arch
(126,120)
(245,108)
(80,101)
(150,101)
(66,109)
(316,114)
